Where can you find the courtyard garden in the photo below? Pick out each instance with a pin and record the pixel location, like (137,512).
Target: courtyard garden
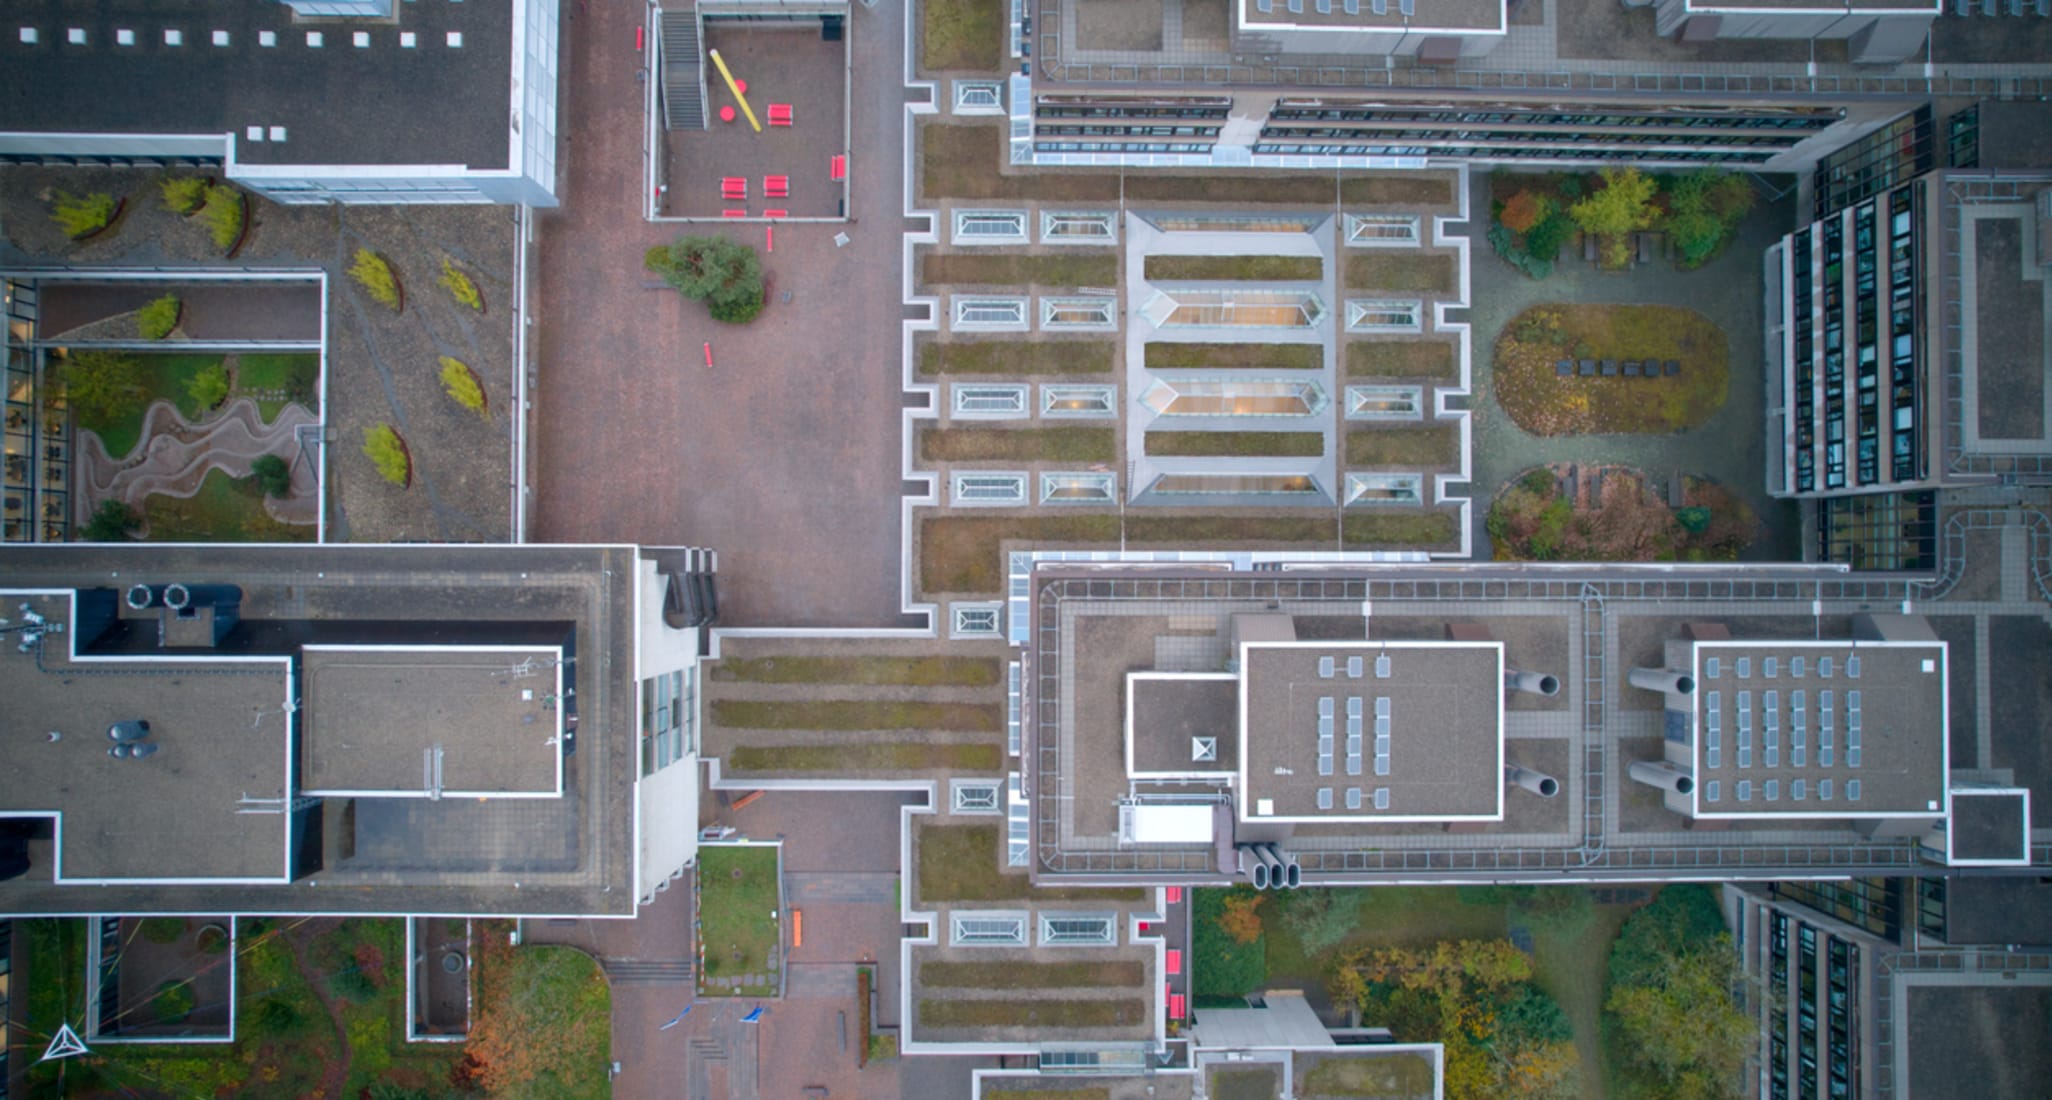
(1626,216)
(1564,369)
(740,927)
(543,1026)
(1611,513)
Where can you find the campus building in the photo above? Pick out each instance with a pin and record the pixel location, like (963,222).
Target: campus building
(337,730)
(301,101)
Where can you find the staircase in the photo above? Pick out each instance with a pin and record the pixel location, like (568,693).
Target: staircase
(683,68)
(652,972)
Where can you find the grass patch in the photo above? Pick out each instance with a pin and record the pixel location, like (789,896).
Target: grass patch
(1406,530)
(1410,272)
(1251,268)
(1410,448)
(162,378)
(1400,359)
(1407,189)
(737,897)
(965,863)
(1072,444)
(526,992)
(1544,403)
(1124,1012)
(960,553)
(1204,528)
(917,671)
(960,34)
(263,375)
(1175,356)
(1244,1084)
(961,162)
(1271,444)
(1370,1076)
(226,509)
(1019,269)
(1017,357)
(1095,1092)
(1221,967)
(857,714)
(1014,975)
(893,756)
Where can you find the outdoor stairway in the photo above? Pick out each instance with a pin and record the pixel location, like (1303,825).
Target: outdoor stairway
(648,972)
(683,74)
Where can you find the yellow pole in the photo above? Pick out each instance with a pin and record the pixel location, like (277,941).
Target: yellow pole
(729,78)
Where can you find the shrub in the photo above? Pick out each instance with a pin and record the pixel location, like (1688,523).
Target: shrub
(1240,917)
(460,287)
(375,276)
(388,453)
(223,214)
(112,521)
(1704,207)
(1693,520)
(272,475)
(1546,238)
(184,194)
(353,985)
(1524,210)
(462,385)
(83,215)
(724,275)
(738,310)
(657,259)
(209,387)
(1515,254)
(101,385)
(156,320)
(278,1016)
(1624,203)
(1320,919)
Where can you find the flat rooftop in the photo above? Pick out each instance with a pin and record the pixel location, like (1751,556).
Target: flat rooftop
(1470,16)
(220,733)
(428,722)
(227,66)
(1182,723)
(1831,729)
(1393,730)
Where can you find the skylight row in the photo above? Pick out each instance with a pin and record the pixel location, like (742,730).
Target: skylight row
(1013,227)
(1014,313)
(1005,488)
(175,37)
(1011,401)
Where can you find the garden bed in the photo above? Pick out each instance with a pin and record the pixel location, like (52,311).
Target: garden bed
(1610,513)
(1017,357)
(896,757)
(1401,530)
(1072,444)
(1401,359)
(1267,269)
(960,35)
(965,863)
(1059,1015)
(1251,444)
(1000,976)
(916,671)
(739,934)
(857,714)
(1542,401)
(1408,448)
(225,509)
(1067,269)
(1402,272)
(1166,355)
(160,378)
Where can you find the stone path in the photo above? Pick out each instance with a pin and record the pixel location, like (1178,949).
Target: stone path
(176,455)
(1728,447)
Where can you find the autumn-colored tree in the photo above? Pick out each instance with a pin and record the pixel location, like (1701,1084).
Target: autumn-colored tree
(541,1013)
(1522,211)
(1240,917)
(1622,204)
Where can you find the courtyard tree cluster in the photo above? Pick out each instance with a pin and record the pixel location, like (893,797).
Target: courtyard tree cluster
(726,276)
(1534,216)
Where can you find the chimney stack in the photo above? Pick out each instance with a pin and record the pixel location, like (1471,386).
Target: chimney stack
(1663,679)
(1545,786)
(1536,683)
(1663,775)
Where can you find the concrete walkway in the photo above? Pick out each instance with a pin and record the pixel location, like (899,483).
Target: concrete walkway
(177,455)
(1729,447)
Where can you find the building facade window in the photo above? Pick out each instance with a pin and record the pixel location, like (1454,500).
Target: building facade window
(669,720)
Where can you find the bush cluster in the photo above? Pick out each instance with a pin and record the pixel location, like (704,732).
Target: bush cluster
(461,384)
(460,287)
(223,214)
(156,320)
(387,452)
(184,194)
(272,475)
(208,387)
(375,276)
(724,275)
(1700,210)
(83,215)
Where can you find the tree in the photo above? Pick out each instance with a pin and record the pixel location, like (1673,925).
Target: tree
(1622,204)
(272,474)
(460,286)
(1704,207)
(541,1012)
(208,386)
(724,275)
(1240,917)
(101,385)
(1672,974)
(112,521)
(224,214)
(1524,210)
(375,276)
(1319,918)
(156,320)
(461,384)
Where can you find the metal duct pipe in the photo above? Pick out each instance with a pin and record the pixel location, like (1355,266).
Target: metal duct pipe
(1663,679)
(1545,786)
(1536,683)
(1258,874)
(1293,875)
(178,597)
(1663,775)
(142,597)
(1272,867)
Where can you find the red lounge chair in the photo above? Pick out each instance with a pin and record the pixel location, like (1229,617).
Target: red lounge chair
(1175,894)
(1176,1005)
(733,187)
(779,114)
(1173,961)
(776,187)
(837,169)
(776,213)
(733,213)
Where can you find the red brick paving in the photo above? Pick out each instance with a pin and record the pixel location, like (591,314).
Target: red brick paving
(785,456)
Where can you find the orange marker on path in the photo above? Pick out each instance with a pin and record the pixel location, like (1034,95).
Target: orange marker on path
(708,355)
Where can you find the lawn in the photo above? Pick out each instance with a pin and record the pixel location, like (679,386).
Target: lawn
(738,930)
(1405,272)
(1545,403)
(916,671)
(555,994)
(1366,1076)
(964,863)
(1165,355)
(1243,1083)
(162,377)
(226,509)
(1410,448)
(1402,530)
(297,376)
(1122,1012)
(1270,444)
(1400,359)
(857,714)
(1251,268)
(1017,357)
(1052,1089)
(868,756)
(1070,444)
(1065,269)
(960,553)
(964,35)
(1015,975)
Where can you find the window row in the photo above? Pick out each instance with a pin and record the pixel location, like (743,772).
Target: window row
(1008,400)
(1506,152)
(1009,227)
(1790,118)
(1009,313)
(1780,139)
(1006,929)
(1000,488)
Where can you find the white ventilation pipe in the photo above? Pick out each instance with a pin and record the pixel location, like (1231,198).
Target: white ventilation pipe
(1663,775)
(1534,683)
(1545,786)
(1663,679)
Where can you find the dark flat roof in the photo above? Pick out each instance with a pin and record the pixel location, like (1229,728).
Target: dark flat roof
(1428,15)
(1170,711)
(1989,826)
(1445,728)
(339,104)
(1776,729)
